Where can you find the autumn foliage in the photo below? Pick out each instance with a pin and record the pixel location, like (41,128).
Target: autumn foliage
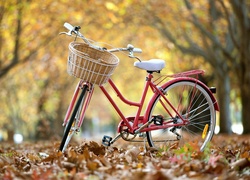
(225,158)
(35,88)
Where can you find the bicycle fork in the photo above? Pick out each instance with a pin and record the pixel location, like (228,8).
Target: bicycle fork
(84,102)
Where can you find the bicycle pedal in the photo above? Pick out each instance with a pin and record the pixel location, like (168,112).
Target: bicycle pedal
(158,120)
(106,140)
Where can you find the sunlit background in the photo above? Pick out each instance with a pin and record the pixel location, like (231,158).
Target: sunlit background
(36,89)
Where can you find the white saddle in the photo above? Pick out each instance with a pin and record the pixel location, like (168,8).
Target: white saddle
(151,65)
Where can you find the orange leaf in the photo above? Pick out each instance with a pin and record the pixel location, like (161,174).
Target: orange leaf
(91,165)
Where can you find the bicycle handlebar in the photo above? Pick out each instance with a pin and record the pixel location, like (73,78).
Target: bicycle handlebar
(75,30)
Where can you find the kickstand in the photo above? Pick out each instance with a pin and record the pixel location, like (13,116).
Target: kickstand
(173,130)
(145,145)
(142,135)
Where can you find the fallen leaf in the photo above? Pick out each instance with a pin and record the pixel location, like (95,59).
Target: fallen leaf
(131,154)
(240,164)
(91,165)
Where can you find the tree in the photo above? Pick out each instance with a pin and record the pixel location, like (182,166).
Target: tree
(218,31)
(20,31)
(201,30)
(209,48)
(239,29)
(33,57)
(25,35)
(5,67)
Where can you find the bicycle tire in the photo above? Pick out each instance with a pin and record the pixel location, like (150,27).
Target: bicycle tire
(193,102)
(66,138)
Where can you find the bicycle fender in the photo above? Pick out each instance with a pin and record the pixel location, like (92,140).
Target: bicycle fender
(216,105)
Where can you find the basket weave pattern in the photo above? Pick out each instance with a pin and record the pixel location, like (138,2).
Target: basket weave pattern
(90,64)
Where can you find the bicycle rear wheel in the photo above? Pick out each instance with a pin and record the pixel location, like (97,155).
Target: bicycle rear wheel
(193,103)
(71,127)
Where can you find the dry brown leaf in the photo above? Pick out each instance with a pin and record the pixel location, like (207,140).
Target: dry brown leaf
(68,165)
(80,175)
(194,174)
(240,164)
(196,165)
(165,164)
(131,154)
(92,165)
(33,157)
(186,167)
(104,161)
(86,154)
(126,161)
(96,148)
(246,154)
(157,175)
(53,156)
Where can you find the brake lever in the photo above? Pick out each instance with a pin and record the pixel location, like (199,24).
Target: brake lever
(75,30)
(67,33)
(131,55)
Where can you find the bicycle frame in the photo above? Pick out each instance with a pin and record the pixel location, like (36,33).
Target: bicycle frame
(137,104)
(138,119)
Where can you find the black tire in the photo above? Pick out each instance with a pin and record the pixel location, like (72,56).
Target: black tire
(192,102)
(66,138)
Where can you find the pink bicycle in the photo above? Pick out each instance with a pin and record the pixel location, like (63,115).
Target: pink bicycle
(181,109)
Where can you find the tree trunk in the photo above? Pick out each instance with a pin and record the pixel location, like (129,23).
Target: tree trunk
(58,121)
(223,89)
(62,107)
(10,133)
(245,98)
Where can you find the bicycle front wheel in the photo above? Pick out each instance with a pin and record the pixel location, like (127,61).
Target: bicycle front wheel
(71,127)
(193,103)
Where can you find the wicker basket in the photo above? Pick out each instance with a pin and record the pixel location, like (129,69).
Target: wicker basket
(91,65)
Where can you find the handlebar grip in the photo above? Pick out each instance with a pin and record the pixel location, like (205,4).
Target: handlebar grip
(68,26)
(137,50)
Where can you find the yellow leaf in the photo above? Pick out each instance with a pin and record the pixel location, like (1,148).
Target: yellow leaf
(204,133)
(92,165)
(139,165)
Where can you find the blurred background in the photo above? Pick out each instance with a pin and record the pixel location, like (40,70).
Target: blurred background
(35,89)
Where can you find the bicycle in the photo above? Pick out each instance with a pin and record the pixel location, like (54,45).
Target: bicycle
(182,108)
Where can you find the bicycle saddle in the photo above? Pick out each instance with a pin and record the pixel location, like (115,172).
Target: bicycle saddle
(151,65)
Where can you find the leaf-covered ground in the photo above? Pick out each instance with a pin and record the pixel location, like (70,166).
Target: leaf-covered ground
(228,157)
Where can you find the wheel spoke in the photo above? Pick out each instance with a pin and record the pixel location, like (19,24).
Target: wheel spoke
(193,103)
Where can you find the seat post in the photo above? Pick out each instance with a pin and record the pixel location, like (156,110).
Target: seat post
(149,75)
